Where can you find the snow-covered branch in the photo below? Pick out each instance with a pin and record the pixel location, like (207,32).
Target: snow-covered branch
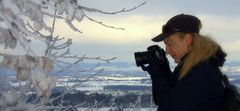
(104,12)
(24,21)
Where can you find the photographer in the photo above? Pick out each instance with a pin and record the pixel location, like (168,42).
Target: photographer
(195,83)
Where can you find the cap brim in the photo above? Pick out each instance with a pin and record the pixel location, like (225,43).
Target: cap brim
(161,37)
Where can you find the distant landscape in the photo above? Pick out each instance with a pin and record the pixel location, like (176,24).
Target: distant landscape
(121,81)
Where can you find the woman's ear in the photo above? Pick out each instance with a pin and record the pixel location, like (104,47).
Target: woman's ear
(188,39)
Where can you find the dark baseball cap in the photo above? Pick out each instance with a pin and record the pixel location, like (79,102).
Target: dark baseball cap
(179,23)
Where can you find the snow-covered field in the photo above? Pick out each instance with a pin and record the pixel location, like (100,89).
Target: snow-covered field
(126,109)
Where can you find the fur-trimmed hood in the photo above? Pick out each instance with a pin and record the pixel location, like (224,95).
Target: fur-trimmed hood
(219,58)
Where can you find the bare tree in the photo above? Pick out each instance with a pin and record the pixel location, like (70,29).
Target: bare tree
(24,21)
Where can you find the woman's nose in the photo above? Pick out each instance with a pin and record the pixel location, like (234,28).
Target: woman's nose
(167,50)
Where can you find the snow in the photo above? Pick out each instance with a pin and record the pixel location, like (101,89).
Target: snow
(125,109)
(99,82)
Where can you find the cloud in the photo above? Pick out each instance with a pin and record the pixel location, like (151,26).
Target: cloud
(220,21)
(232,46)
(138,29)
(232,49)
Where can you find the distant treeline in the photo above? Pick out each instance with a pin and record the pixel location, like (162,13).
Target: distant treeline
(126,88)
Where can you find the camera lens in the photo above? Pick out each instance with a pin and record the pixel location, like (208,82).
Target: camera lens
(141,58)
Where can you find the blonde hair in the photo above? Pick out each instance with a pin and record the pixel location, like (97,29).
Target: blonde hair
(201,49)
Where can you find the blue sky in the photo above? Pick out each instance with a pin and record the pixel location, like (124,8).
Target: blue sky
(220,19)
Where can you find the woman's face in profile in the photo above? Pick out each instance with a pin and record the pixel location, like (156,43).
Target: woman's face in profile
(177,46)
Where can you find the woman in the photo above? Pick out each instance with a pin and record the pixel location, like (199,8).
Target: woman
(195,84)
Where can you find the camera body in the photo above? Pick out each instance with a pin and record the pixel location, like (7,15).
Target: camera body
(153,55)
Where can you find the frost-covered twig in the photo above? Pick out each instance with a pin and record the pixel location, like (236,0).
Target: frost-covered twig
(101,23)
(79,14)
(104,12)
(54,20)
(71,65)
(86,58)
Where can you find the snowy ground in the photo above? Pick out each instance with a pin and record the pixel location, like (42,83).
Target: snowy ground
(125,109)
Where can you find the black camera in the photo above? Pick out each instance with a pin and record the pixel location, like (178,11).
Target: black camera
(154,54)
